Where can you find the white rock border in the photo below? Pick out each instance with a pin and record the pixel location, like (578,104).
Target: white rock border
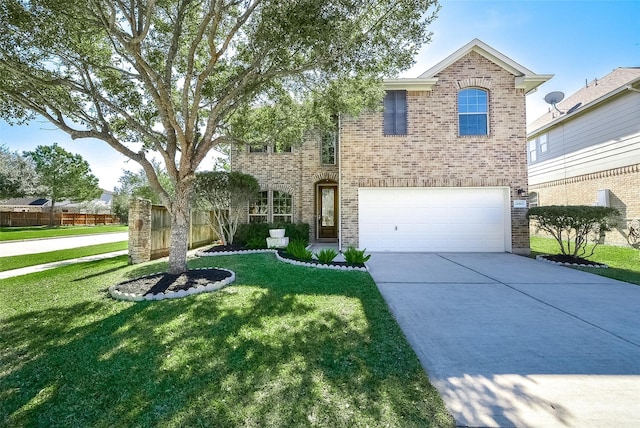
(213,286)
(541,258)
(284,259)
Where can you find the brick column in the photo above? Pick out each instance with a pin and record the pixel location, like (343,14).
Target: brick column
(139,231)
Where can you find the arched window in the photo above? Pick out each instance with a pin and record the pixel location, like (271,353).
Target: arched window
(473,109)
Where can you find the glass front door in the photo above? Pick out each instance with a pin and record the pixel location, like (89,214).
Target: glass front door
(327,212)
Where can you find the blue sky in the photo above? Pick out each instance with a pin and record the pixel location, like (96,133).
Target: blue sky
(574,40)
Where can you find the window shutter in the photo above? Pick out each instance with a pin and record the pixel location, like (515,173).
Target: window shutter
(395,113)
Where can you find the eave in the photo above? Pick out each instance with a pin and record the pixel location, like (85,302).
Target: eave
(417,84)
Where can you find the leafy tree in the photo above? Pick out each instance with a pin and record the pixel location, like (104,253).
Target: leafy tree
(63,175)
(227,195)
(181,76)
(18,176)
(574,226)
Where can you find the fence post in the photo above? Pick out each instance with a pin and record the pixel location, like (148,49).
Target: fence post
(139,231)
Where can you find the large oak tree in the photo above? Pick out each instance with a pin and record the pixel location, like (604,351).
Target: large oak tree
(182,76)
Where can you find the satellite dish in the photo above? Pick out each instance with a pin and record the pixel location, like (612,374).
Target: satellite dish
(554,98)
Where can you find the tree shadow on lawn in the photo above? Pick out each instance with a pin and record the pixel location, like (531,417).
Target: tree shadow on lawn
(309,353)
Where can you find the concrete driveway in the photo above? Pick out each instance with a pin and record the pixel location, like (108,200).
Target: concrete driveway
(510,341)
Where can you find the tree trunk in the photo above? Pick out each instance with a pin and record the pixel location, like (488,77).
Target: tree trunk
(179,231)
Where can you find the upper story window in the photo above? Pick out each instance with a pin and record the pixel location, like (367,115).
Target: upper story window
(532,150)
(258,148)
(328,147)
(473,108)
(537,147)
(542,143)
(282,148)
(395,113)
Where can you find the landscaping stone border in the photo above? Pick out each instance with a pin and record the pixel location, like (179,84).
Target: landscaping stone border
(542,258)
(214,286)
(284,259)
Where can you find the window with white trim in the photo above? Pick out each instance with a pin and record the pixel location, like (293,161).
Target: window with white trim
(259,209)
(282,207)
(542,143)
(272,207)
(473,112)
(532,151)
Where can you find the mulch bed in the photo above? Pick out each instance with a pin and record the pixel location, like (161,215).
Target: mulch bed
(578,261)
(163,282)
(281,252)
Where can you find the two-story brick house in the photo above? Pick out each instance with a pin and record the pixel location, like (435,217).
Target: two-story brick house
(441,168)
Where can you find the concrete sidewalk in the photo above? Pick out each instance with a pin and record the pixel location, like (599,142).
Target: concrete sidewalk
(510,341)
(34,246)
(46,266)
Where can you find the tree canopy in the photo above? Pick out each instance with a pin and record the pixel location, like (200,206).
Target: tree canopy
(227,195)
(179,77)
(18,176)
(63,175)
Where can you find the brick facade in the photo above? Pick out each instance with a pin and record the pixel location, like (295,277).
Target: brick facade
(430,155)
(624,195)
(296,173)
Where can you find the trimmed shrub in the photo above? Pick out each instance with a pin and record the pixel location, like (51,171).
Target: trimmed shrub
(573,227)
(252,232)
(354,256)
(298,249)
(327,255)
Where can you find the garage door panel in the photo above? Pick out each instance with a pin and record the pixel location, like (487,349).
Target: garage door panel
(434,219)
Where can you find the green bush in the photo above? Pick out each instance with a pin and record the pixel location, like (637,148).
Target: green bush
(256,243)
(354,256)
(251,232)
(298,249)
(327,255)
(573,227)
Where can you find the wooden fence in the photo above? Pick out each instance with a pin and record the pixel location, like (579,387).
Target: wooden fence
(200,233)
(22,219)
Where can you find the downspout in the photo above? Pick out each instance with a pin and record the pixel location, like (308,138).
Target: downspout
(339,142)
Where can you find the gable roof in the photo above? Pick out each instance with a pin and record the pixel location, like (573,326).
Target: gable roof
(25,201)
(524,78)
(592,94)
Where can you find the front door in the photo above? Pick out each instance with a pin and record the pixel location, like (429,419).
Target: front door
(327,212)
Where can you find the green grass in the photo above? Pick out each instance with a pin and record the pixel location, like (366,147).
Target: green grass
(284,346)
(17,262)
(15,233)
(623,262)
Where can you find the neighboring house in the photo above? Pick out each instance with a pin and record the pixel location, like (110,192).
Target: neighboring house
(96,206)
(587,151)
(25,205)
(440,169)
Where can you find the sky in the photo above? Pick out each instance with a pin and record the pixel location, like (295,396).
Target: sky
(576,41)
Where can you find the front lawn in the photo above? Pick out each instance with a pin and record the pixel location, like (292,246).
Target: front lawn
(623,262)
(15,233)
(17,262)
(284,346)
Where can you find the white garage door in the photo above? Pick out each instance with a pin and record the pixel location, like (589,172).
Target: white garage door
(434,219)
